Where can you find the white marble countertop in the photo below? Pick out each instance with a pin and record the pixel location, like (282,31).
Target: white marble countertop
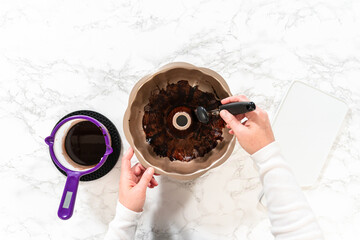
(60,56)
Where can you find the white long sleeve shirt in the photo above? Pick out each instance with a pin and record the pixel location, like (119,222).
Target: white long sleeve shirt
(290,215)
(124,224)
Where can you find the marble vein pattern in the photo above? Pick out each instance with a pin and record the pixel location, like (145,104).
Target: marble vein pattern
(60,56)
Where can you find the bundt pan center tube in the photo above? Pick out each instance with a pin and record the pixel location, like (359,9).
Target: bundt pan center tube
(178,120)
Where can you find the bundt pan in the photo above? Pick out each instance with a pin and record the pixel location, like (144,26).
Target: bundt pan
(207,81)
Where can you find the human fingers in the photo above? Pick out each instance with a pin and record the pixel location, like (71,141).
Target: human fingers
(145,179)
(239,117)
(240,98)
(151,185)
(126,161)
(256,115)
(138,169)
(143,169)
(154,182)
(231,120)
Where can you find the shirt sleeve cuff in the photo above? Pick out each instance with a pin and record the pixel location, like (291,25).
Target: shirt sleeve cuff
(124,213)
(272,149)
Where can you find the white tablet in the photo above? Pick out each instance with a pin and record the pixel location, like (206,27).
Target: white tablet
(306,125)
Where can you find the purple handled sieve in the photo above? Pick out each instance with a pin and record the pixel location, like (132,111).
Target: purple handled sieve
(55,142)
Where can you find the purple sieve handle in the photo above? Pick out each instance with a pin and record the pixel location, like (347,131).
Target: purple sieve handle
(67,202)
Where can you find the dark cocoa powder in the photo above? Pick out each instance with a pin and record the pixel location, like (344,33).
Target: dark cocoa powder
(85,143)
(182,145)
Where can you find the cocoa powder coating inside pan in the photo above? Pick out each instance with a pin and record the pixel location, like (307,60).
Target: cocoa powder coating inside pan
(170,124)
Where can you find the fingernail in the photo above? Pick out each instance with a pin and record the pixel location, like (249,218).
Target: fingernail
(150,170)
(128,151)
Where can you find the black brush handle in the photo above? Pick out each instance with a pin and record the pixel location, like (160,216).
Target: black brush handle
(236,108)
